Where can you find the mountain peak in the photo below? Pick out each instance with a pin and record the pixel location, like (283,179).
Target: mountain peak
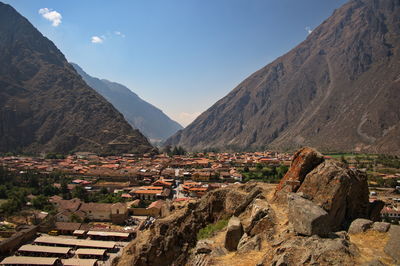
(337,90)
(140,114)
(45,106)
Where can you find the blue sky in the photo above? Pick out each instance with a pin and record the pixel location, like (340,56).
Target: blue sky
(180,55)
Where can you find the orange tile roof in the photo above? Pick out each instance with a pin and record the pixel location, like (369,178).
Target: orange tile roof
(148,191)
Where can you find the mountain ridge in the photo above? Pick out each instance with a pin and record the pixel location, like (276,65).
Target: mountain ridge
(335,91)
(142,115)
(45,106)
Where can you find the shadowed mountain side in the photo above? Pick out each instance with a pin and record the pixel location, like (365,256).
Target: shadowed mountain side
(45,106)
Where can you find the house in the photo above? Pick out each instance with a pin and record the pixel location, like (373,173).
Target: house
(61,204)
(201,176)
(119,213)
(70,216)
(66,228)
(148,194)
(162,183)
(97,211)
(390,213)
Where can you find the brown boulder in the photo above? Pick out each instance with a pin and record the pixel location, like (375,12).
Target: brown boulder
(234,233)
(304,161)
(340,191)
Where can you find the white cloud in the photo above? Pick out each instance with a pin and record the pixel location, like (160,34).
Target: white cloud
(187,118)
(51,15)
(119,34)
(97,39)
(308,29)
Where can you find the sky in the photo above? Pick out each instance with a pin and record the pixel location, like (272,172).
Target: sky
(179,55)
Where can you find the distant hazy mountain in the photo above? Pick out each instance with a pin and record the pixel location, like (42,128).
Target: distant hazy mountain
(45,106)
(338,90)
(150,120)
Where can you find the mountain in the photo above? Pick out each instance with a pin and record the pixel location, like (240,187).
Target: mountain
(45,106)
(150,120)
(339,90)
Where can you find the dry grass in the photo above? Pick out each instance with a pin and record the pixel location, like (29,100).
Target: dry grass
(371,246)
(235,259)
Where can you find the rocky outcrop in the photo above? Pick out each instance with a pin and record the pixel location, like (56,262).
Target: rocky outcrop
(381,227)
(342,192)
(169,241)
(306,217)
(263,231)
(247,243)
(304,160)
(313,251)
(392,247)
(359,226)
(233,234)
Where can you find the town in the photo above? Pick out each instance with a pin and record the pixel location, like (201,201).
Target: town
(83,208)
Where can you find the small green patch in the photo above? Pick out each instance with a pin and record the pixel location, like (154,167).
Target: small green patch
(210,229)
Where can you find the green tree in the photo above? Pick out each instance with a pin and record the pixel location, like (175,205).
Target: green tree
(40,202)
(80,192)
(3,192)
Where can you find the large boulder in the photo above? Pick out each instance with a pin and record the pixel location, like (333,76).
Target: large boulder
(312,251)
(306,217)
(248,243)
(234,233)
(304,161)
(382,227)
(340,191)
(359,226)
(261,220)
(392,247)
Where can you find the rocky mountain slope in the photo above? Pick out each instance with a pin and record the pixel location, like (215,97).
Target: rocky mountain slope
(45,106)
(337,91)
(150,120)
(303,221)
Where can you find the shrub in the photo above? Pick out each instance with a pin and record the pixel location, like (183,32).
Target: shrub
(210,229)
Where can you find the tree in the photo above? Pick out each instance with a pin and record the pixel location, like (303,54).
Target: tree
(80,192)
(40,202)
(75,218)
(3,192)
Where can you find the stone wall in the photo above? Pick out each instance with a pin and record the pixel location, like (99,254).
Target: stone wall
(15,241)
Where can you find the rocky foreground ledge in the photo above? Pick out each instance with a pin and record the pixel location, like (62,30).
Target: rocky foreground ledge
(319,214)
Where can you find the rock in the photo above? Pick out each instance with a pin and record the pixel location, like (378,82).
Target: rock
(342,235)
(359,226)
(249,198)
(340,191)
(259,210)
(233,234)
(375,210)
(262,219)
(313,250)
(392,247)
(203,247)
(381,227)
(247,244)
(219,251)
(304,160)
(373,263)
(343,193)
(281,261)
(306,217)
